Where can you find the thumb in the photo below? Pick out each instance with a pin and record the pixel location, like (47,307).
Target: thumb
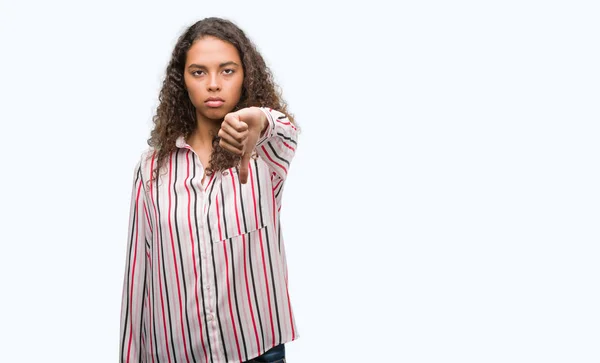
(244,166)
(247,153)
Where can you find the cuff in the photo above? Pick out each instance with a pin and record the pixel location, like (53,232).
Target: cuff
(270,130)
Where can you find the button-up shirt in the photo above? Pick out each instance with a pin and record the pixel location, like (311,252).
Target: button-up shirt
(206,273)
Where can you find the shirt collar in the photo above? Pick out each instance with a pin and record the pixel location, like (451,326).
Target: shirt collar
(181,143)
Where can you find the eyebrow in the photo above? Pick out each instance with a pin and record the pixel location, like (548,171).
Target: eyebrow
(230,63)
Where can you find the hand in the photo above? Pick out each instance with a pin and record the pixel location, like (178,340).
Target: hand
(239,133)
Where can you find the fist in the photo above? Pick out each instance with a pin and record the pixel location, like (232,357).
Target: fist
(239,133)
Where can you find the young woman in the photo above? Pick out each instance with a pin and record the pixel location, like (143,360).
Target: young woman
(206,272)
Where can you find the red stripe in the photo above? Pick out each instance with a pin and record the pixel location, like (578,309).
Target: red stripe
(150,317)
(187,158)
(147,218)
(137,228)
(237,218)
(262,250)
(290,310)
(175,264)
(273,161)
(227,279)
(273,195)
(288,146)
(286,123)
(219,218)
(289,304)
(162,303)
(209,180)
(237,343)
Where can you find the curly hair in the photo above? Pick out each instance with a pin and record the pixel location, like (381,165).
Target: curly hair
(176,115)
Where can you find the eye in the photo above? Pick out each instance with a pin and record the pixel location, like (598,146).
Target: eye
(194,72)
(231,71)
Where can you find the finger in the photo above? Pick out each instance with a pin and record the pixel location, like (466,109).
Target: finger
(230,139)
(233,120)
(239,136)
(242,126)
(231,148)
(244,167)
(249,146)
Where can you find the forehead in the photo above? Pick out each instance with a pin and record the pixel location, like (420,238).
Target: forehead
(211,51)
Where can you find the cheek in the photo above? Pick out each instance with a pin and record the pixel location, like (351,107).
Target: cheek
(238,86)
(194,96)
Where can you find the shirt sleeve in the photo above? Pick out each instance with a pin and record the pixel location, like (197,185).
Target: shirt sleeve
(277,145)
(134,282)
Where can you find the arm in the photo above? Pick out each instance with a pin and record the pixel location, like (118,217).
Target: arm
(278,141)
(133,296)
(266,131)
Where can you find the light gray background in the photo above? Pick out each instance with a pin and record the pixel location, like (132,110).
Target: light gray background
(443,205)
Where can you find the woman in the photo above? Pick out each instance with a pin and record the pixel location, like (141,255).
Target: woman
(206,272)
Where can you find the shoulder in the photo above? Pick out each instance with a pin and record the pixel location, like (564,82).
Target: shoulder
(144,161)
(275,115)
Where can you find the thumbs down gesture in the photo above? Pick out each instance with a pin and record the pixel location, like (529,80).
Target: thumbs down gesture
(239,134)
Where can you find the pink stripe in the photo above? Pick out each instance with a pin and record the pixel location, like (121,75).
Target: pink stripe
(175,265)
(187,158)
(237,218)
(162,303)
(147,218)
(227,278)
(289,304)
(237,343)
(290,310)
(150,313)
(219,219)
(262,250)
(137,228)
(274,205)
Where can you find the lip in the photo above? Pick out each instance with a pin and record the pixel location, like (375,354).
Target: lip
(214,102)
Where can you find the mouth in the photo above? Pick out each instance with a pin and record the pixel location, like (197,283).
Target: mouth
(214,102)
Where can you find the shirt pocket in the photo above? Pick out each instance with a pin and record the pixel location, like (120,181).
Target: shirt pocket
(236,209)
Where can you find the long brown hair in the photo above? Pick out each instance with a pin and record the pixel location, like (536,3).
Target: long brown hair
(176,115)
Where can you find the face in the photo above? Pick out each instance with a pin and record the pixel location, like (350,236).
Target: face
(213,76)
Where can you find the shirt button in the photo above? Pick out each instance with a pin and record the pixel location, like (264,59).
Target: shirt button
(209,317)
(225,173)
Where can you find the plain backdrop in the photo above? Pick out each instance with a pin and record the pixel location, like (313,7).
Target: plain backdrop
(443,204)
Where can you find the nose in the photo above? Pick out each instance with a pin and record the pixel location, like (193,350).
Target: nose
(213,83)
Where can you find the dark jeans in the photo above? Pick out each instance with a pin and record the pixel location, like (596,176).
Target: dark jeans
(273,355)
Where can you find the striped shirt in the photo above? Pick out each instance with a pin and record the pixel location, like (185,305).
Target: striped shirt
(206,274)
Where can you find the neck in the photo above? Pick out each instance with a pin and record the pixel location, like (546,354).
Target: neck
(202,136)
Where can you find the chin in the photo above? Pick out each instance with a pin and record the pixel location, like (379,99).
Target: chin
(216,113)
